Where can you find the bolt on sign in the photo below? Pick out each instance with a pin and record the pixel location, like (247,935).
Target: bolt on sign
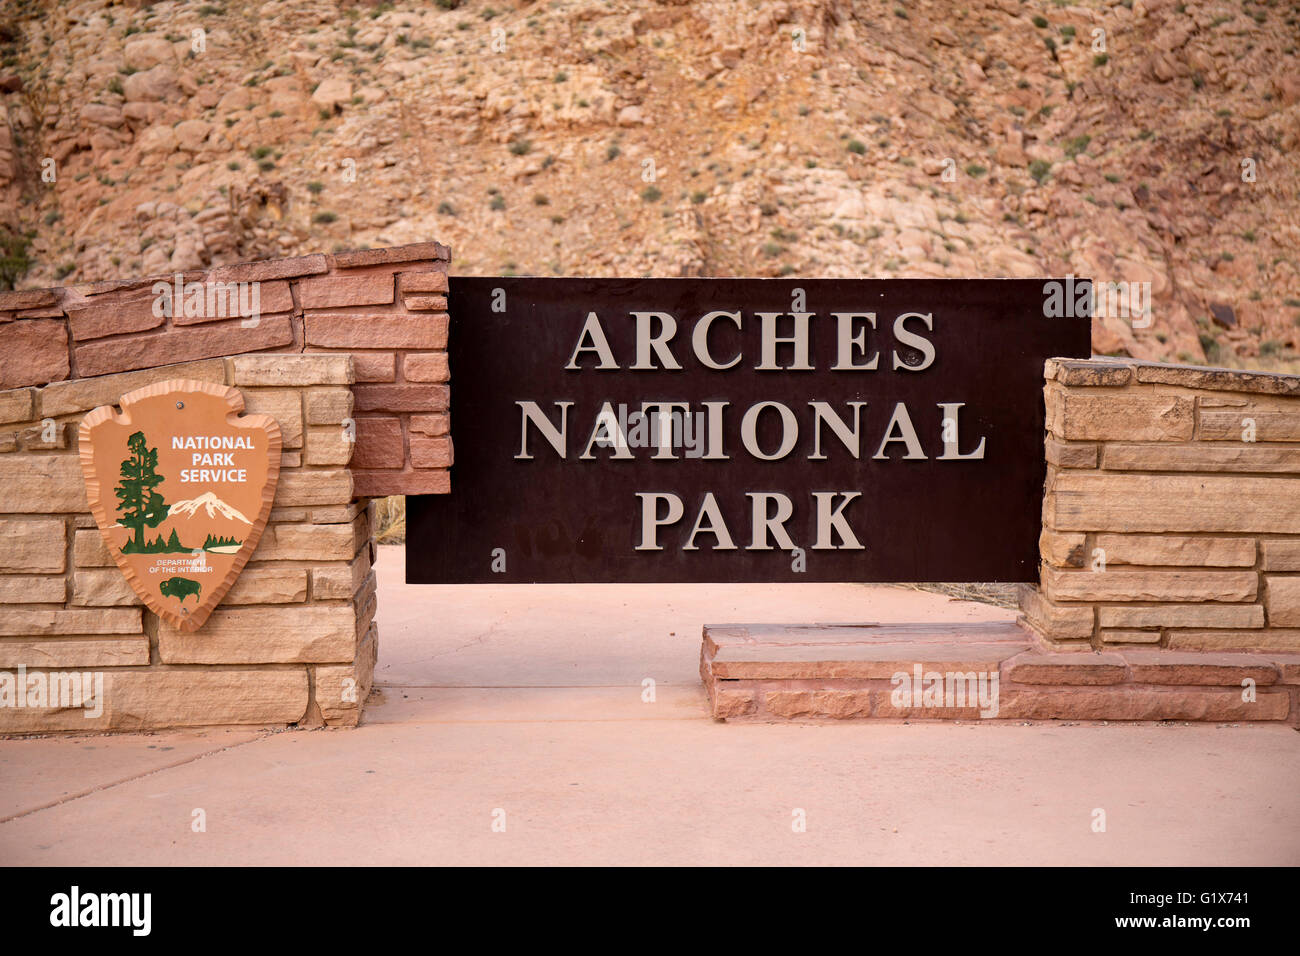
(181,485)
(665,430)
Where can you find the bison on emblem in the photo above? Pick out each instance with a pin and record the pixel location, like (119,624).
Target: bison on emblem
(180,588)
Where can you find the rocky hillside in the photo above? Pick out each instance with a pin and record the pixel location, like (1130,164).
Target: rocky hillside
(1142,140)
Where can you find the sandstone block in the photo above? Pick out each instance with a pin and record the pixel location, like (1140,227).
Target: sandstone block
(331,445)
(1136,702)
(818,703)
(271,269)
(310,542)
(1281,554)
(340,581)
(429,424)
(1181,615)
(426,367)
(33,589)
(33,352)
(341,689)
(1172,667)
(290,370)
(1282,598)
(26,622)
(409,253)
(728,702)
(1088,373)
(328,406)
(1122,416)
(83,394)
(59,653)
(115,314)
(1174,503)
(124,353)
(400,398)
(1071,454)
(1036,667)
(17,405)
(282,404)
(1121,585)
(264,635)
(222,302)
(32,545)
(1056,622)
(334,514)
(1233,419)
(430,452)
(15,301)
(106,588)
(339,291)
(426,282)
(1270,639)
(375,366)
(425,303)
(1156,550)
(384,331)
(380,484)
(379,443)
(1129,636)
(268,586)
(313,487)
(41,483)
(1063,550)
(89,550)
(1200,457)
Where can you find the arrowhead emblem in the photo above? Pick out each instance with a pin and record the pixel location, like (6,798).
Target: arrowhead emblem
(181,486)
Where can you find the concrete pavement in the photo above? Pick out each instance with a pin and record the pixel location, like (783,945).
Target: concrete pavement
(511,726)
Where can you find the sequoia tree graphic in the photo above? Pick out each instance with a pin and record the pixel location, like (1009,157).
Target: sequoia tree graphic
(139,505)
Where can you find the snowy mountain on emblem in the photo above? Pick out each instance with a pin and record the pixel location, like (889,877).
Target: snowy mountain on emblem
(213,507)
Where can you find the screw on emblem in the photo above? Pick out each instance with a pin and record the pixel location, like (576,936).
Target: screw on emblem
(180,404)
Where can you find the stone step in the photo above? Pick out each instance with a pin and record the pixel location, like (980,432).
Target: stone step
(978,671)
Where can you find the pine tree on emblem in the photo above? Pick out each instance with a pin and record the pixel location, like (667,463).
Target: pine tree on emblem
(139,505)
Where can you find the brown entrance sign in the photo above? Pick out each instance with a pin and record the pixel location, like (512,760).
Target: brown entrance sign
(664,430)
(181,487)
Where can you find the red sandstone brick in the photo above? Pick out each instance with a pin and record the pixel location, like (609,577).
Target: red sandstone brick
(429,424)
(379,484)
(733,703)
(374,366)
(427,282)
(114,315)
(1288,668)
(400,398)
(331,292)
(122,354)
(27,299)
(1035,667)
(430,452)
(1175,667)
(373,257)
(379,444)
(425,303)
(33,352)
(425,367)
(1138,702)
(272,297)
(357,331)
(818,703)
(269,269)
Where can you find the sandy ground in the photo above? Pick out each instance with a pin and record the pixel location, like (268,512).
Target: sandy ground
(510,726)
